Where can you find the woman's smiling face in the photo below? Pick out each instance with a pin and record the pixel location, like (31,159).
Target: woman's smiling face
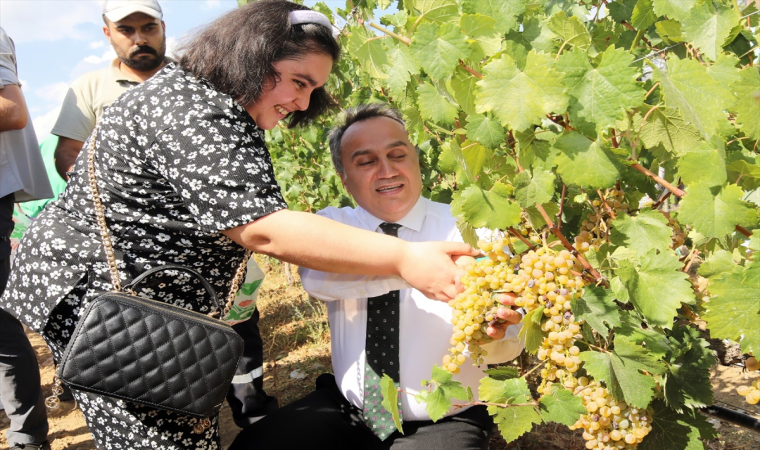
(298,78)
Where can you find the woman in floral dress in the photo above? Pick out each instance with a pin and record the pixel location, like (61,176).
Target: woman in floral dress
(186,179)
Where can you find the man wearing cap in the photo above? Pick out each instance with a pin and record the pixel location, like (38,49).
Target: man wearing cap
(136,31)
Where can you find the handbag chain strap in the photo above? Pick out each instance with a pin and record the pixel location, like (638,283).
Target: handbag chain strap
(108,246)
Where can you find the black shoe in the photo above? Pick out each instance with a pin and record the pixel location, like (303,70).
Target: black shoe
(44,446)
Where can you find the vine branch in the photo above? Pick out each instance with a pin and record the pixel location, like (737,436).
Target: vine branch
(677,192)
(390,33)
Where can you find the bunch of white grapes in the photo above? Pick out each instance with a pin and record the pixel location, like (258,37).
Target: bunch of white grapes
(595,228)
(610,424)
(474,309)
(751,393)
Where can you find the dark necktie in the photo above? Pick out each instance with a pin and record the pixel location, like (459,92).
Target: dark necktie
(381,354)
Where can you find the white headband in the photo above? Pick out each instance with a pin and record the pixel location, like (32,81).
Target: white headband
(309,16)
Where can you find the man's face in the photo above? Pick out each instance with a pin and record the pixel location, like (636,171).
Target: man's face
(139,41)
(382,168)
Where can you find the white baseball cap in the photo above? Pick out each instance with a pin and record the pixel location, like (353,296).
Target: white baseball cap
(115,10)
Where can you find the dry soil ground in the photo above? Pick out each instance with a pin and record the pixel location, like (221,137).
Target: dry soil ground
(297,340)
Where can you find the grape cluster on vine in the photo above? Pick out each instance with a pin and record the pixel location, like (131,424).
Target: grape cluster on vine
(610,424)
(474,308)
(751,393)
(595,228)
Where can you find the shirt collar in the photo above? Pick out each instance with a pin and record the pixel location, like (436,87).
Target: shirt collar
(412,220)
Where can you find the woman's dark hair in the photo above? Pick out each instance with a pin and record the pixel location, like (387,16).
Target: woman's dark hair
(236,53)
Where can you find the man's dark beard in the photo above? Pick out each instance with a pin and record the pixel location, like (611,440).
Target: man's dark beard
(144,65)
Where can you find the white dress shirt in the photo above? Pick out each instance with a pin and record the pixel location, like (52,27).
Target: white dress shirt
(424,324)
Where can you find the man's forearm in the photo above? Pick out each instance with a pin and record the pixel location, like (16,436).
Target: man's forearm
(13,112)
(66,153)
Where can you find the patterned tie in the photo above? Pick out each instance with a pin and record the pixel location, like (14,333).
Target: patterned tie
(382,354)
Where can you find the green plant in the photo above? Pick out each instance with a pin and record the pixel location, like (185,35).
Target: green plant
(625,132)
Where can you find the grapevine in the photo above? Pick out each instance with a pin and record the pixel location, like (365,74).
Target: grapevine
(621,136)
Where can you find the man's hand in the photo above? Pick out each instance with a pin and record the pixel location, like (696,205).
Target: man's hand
(505,313)
(429,268)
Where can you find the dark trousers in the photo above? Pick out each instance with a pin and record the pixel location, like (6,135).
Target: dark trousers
(247,398)
(324,419)
(19,372)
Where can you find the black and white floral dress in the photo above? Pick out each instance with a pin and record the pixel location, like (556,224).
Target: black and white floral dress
(177,162)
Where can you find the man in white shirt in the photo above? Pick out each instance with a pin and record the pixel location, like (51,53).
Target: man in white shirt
(380,168)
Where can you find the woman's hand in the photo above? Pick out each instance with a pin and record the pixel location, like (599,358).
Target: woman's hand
(506,314)
(429,268)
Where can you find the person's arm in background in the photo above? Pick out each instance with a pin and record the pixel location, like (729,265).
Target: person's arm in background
(322,244)
(66,153)
(13,112)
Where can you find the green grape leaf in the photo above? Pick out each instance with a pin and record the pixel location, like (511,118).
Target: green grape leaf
(570,30)
(462,87)
(469,235)
(687,381)
(715,211)
(709,28)
(531,331)
(402,67)
(513,421)
(666,126)
(620,371)
(535,217)
(476,156)
(674,9)
(578,154)
(452,159)
(368,50)
(504,11)
(533,92)
(390,399)
(701,99)
(502,373)
(534,189)
(718,263)
(444,389)
(481,33)
(439,48)
(658,287)
(733,311)
(486,130)
(647,231)
(674,431)
(436,10)
(621,10)
(704,166)
(747,104)
(653,340)
(643,17)
(491,209)
(598,308)
(669,30)
(601,95)
(434,106)
(749,173)
(533,151)
(561,406)
(724,70)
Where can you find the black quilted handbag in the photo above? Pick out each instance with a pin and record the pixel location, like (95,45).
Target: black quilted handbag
(147,351)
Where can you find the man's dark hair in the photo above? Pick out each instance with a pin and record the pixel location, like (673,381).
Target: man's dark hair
(352,116)
(236,53)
